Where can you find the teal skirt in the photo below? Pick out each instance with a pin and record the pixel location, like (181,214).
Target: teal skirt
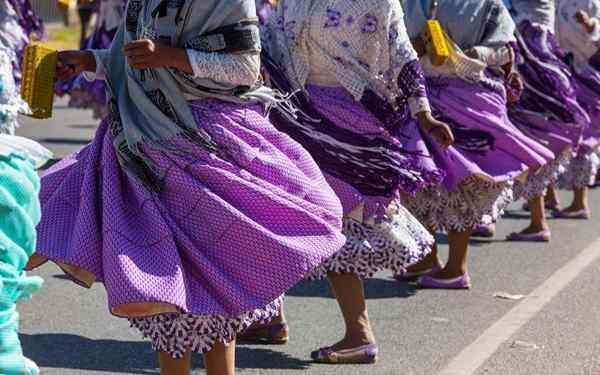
(19,215)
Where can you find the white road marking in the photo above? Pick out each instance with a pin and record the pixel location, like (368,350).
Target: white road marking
(475,355)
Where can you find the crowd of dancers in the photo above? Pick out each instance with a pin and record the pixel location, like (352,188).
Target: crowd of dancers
(244,147)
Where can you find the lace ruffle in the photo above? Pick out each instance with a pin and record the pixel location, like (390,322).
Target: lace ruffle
(536,184)
(395,243)
(473,200)
(176,333)
(581,172)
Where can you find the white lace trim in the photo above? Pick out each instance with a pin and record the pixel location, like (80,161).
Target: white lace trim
(474,200)
(233,69)
(536,184)
(397,242)
(175,333)
(581,172)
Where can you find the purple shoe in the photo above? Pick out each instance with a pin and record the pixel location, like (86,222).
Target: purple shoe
(430,282)
(543,236)
(363,354)
(484,231)
(584,214)
(411,276)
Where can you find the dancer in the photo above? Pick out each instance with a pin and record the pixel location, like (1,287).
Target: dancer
(83,93)
(17,24)
(579,35)
(489,152)
(19,186)
(548,109)
(355,75)
(189,206)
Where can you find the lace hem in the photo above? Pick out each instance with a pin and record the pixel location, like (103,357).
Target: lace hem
(474,200)
(176,333)
(536,184)
(580,173)
(393,244)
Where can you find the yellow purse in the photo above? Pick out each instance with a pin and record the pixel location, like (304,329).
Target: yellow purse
(37,85)
(435,43)
(63,5)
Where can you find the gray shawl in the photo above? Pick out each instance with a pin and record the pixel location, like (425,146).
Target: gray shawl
(151,105)
(469,23)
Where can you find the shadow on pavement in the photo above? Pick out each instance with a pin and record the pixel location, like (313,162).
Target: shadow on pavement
(132,357)
(375,288)
(81,353)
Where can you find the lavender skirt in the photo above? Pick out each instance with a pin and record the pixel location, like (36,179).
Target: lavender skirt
(581,171)
(479,177)
(548,110)
(388,236)
(215,249)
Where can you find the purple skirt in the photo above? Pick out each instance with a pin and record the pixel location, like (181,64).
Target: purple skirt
(581,171)
(478,180)
(221,241)
(548,110)
(388,237)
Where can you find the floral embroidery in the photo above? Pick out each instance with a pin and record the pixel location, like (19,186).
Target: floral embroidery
(345,44)
(333,18)
(370,25)
(349,20)
(392,34)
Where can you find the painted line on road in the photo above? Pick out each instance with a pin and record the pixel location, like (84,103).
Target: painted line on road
(476,354)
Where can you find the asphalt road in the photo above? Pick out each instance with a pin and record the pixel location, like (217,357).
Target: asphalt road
(67,329)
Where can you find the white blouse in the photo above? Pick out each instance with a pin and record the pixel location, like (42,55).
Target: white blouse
(540,12)
(573,36)
(356,44)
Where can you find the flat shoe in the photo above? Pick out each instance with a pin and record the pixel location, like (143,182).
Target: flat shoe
(584,214)
(484,231)
(274,334)
(543,236)
(430,282)
(411,276)
(363,354)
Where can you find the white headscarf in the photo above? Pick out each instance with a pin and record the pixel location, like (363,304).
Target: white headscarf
(573,37)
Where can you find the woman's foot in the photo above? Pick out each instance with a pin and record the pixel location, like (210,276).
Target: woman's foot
(531,234)
(573,213)
(359,349)
(424,269)
(434,282)
(484,231)
(274,333)
(430,264)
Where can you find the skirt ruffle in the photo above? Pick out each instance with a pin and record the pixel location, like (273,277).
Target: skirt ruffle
(394,243)
(536,183)
(581,172)
(474,200)
(177,333)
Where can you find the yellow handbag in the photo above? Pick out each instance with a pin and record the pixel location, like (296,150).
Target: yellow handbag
(37,85)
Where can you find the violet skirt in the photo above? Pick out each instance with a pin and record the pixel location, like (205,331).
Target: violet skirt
(385,236)
(488,155)
(211,253)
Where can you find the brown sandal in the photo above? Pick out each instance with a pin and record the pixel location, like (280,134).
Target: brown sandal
(273,334)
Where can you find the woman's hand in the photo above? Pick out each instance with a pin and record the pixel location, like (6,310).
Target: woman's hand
(419,46)
(515,87)
(584,19)
(440,131)
(72,63)
(146,54)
